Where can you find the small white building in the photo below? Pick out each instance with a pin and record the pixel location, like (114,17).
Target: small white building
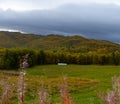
(62,64)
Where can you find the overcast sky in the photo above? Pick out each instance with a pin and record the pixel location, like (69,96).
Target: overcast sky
(21,5)
(98,19)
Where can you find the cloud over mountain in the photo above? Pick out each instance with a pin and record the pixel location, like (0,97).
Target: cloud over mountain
(101,21)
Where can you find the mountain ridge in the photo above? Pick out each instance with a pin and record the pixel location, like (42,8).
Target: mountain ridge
(54,42)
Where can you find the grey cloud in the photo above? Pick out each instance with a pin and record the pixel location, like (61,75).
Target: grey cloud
(99,21)
(21,5)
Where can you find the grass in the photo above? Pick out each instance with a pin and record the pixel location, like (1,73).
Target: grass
(102,73)
(84,81)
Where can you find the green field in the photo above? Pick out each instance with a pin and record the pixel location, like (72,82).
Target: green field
(84,80)
(102,73)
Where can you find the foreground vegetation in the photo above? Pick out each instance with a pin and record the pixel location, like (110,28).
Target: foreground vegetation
(84,81)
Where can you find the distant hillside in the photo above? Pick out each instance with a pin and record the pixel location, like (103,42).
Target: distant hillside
(55,42)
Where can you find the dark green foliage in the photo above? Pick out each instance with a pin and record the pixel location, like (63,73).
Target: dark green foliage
(41,57)
(11,58)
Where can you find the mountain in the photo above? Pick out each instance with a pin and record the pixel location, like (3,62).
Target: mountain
(54,42)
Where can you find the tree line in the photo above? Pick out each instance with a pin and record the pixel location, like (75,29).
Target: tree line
(11,58)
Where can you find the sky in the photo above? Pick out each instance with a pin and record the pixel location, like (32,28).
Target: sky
(21,5)
(99,19)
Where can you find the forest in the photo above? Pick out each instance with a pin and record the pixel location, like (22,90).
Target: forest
(53,49)
(11,58)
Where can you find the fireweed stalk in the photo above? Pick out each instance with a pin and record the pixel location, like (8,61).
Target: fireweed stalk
(6,94)
(21,81)
(43,96)
(113,96)
(66,99)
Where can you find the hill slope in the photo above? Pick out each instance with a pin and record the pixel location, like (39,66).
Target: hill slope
(54,42)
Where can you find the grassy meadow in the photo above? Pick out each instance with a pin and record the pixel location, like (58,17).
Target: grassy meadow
(84,82)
